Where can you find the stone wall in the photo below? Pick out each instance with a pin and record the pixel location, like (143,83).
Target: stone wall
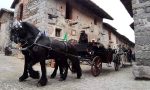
(48,15)
(39,13)
(114,43)
(6,20)
(83,20)
(141,11)
(105,37)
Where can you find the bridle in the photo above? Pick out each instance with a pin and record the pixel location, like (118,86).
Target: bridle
(24,42)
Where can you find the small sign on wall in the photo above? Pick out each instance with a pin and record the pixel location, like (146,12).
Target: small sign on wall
(73,32)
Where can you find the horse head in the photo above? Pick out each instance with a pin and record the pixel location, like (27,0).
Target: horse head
(22,31)
(17,32)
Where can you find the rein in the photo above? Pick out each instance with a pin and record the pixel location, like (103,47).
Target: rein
(34,43)
(49,48)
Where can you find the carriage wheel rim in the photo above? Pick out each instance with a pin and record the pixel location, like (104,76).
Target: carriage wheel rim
(97,66)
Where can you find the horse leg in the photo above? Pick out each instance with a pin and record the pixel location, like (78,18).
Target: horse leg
(33,74)
(25,73)
(76,66)
(43,80)
(61,73)
(53,75)
(65,72)
(79,71)
(61,68)
(65,69)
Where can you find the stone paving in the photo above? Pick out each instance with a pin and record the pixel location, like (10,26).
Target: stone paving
(11,69)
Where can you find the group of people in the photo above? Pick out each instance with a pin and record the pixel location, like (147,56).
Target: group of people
(126,54)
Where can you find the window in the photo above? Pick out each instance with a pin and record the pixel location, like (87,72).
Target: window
(0,26)
(61,7)
(58,32)
(109,34)
(73,32)
(95,21)
(117,41)
(68,10)
(20,12)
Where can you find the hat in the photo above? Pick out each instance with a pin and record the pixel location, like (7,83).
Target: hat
(82,31)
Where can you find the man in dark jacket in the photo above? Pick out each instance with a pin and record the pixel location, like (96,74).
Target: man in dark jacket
(83,38)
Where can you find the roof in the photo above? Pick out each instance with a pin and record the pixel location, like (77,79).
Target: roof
(3,10)
(132,26)
(128,5)
(86,3)
(109,26)
(14,3)
(121,37)
(94,8)
(125,39)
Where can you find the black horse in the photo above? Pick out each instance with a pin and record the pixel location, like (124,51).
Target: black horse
(37,47)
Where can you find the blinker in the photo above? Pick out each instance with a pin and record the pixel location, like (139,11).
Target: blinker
(17,25)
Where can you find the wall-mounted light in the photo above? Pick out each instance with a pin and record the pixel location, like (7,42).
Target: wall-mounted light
(111,41)
(86,27)
(92,30)
(51,16)
(102,34)
(73,23)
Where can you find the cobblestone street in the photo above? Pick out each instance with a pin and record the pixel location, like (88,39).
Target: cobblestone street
(11,69)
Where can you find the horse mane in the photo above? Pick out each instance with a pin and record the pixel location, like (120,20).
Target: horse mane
(31,28)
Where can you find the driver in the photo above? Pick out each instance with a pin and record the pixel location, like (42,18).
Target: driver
(83,37)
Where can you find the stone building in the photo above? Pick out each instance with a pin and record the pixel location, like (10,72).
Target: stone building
(60,17)
(6,17)
(111,37)
(140,11)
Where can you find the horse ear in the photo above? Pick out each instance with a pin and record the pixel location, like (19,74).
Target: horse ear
(11,26)
(20,24)
(17,25)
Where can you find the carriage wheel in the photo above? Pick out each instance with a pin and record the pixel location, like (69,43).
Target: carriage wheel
(96,66)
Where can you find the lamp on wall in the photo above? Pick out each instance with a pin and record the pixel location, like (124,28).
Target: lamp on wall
(102,34)
(86,27)
(73,23)
(92,30)
(51,16)
(111,41)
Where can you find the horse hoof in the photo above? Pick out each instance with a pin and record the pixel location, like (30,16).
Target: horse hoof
(61,79)
(23,77)
(42,82)
(38,85)
(52,76)
(78,77)
(35,75)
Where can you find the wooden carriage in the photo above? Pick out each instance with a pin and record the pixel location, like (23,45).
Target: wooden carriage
(95,54)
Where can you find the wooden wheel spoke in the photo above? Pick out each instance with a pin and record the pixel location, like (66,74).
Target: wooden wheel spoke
(96,66)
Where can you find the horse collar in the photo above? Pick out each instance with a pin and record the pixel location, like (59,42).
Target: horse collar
(36,39)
